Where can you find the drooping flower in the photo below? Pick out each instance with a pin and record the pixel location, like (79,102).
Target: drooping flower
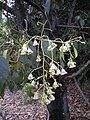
(52,70)
(38,59)
(71,63)
(55,84)
(67,44)
(51,46)
(36,96)
(26,50)
(33,83)
(24,47)
(30,77)
(49,91)
(45,99)
(58,72)
(23,52)
(51,98)
(63,48)
(35,43)
(29,51)
(53,66)
(63,71)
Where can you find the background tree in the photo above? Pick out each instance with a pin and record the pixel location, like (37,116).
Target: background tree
(65,19)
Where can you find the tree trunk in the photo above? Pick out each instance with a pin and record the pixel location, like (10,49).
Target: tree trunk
(59,109)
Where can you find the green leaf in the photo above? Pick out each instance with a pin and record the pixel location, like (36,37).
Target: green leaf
(28,87)
(75,52)
(11,85)
(4,67)
(2,86)
(62,55)
(5,54)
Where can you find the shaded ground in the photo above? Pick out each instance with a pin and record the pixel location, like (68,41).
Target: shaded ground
(13,108)
(77,106)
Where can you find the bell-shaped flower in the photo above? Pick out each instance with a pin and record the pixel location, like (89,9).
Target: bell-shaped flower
(35,43)
(26,50)
(33,83)
(45,99)
(23,52)
(30,77)
(51,98)
(63,48)
(58,72)
(49,91)
(67,44)
(52,70)
(55,84)
(63,71)
(29,51)
(36,96)
(71,63)
(24,47)
(51,46)
(38,59)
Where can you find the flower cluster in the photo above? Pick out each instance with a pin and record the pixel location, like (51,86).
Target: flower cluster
(71,63)
(54,70)
(48,96)
(50,67)
(26,50)
(65,47)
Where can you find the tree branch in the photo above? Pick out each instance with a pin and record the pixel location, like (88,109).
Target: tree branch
(69,26)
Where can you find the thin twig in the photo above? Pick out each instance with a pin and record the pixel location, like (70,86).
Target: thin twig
(71,26)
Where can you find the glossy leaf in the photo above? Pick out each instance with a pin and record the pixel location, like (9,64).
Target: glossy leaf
(75,52)
(4,67)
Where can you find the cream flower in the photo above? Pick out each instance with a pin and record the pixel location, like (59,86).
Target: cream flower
(36,96)
(38,59)
(71,63)
(58,72)
(67,44)
(55,84)
(23,52)
(29,51)
(33,83)
(26,50)
(63,71)
(35,43)
(49,91)
(30,77)
(53,66)
(52,70)
(24,47)
(45,99)
(51,46)
(63,48)
(51,98)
